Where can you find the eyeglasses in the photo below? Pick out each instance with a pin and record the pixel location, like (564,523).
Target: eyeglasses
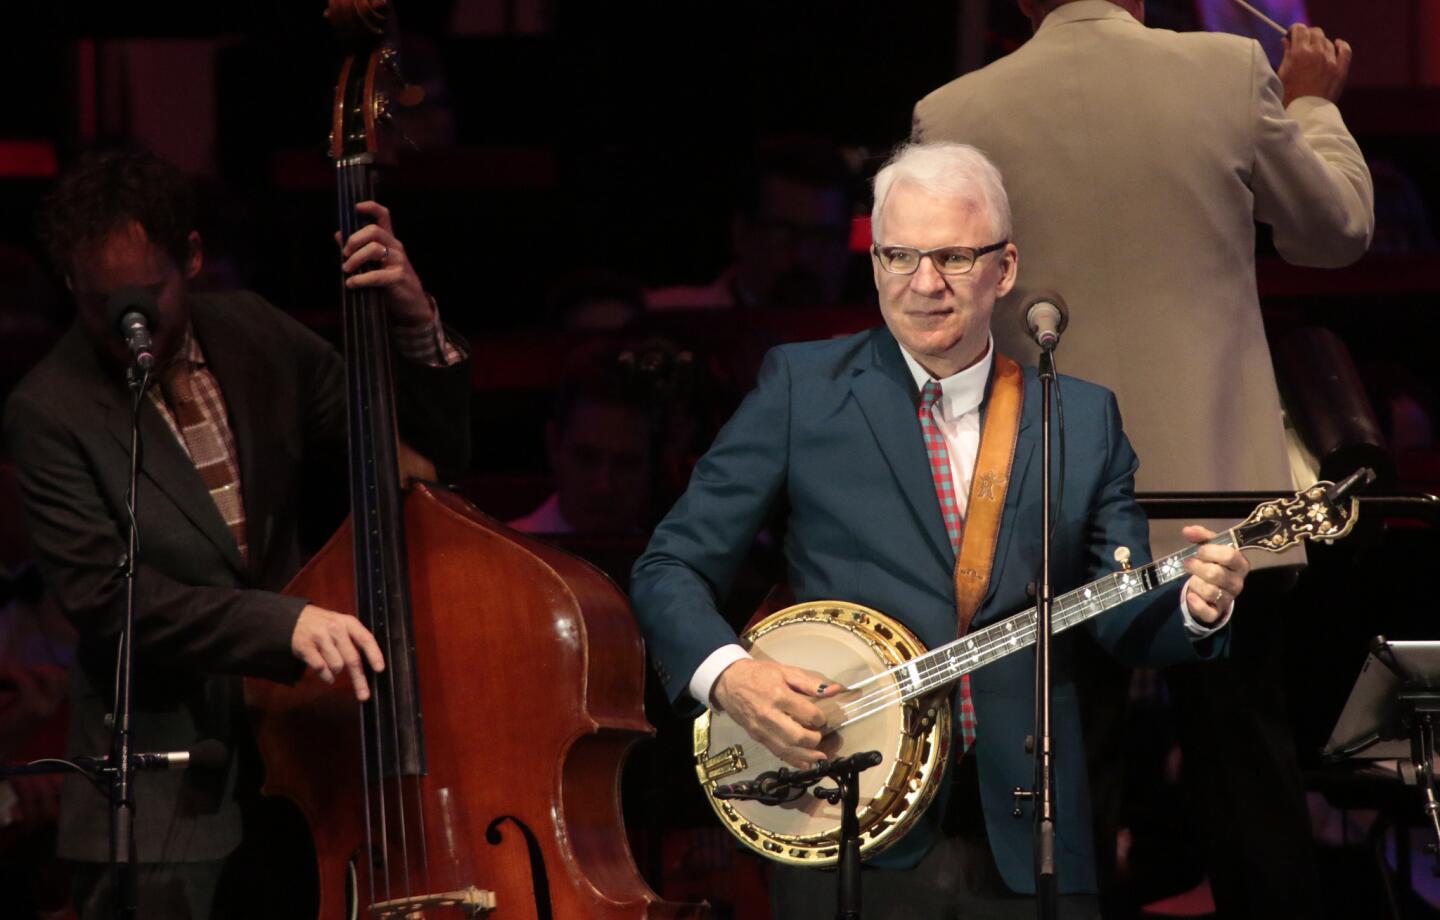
(948,260)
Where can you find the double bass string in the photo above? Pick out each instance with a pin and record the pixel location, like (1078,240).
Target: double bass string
(372,328)
(370,566)
(389,596)
(397,618)
(354,395)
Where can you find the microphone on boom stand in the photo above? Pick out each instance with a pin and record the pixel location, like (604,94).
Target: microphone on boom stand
(1046,316)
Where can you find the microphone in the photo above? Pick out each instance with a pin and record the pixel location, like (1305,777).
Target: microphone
(1046,316)
(132,311)
(208,754)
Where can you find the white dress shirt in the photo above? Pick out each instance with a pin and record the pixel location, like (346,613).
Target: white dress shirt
(957,415)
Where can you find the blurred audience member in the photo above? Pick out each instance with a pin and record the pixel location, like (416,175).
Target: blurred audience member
(28,304)
(36,647)
(595,300)
(31,315)
(601,450)
(790,233)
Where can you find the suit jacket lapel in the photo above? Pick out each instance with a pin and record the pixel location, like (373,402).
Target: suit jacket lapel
(886,395)
(166,464)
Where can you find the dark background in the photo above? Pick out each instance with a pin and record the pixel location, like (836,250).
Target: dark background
(569,135)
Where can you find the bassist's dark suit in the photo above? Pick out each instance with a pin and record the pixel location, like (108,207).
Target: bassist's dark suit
(203,618)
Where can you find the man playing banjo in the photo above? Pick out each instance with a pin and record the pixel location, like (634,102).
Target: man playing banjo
(893,453)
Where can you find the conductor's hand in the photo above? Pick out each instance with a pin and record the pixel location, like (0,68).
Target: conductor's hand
(1313,65)
(331,643)
(373,258)
(774,704)
(1217,575)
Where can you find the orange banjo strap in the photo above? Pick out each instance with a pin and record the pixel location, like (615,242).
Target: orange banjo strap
(987,489)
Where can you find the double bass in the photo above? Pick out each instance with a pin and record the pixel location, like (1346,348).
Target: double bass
(481,778)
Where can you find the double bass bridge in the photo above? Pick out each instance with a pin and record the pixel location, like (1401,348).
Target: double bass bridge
(474,901)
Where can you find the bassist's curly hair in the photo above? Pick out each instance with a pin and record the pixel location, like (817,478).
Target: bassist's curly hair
(105,188)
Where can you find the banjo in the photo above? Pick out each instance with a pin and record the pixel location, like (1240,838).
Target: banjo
(894,701)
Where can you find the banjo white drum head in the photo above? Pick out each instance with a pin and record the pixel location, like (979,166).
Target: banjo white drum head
(846,643)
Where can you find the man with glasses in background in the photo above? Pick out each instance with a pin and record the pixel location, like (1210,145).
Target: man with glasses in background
(868,446)
(789,233)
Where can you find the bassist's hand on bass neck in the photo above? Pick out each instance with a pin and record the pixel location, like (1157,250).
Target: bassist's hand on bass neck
(373,257)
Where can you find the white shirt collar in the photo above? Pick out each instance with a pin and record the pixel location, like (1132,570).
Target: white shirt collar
(962,392)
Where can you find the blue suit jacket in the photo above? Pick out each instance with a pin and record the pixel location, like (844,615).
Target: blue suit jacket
(831,432)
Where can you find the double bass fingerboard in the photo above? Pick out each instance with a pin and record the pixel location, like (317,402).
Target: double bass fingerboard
(394,722)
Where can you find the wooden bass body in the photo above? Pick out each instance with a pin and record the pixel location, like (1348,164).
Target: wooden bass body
(531,700)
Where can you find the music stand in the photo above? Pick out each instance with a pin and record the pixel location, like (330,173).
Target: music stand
(1393,713)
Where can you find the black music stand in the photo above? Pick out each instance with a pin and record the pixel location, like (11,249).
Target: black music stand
(1393,713)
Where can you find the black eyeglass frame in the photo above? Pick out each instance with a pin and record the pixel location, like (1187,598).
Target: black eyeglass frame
(975,255)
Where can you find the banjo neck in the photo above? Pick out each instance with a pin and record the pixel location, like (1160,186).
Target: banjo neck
(946,664)
(1325,511)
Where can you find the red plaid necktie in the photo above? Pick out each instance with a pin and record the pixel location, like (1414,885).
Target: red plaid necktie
(213,459)
(954,524)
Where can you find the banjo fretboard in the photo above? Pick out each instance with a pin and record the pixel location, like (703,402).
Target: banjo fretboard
(948,663)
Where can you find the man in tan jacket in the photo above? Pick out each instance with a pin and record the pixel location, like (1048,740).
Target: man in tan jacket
(1138,161)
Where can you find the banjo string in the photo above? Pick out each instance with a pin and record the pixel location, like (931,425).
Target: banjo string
(884,697)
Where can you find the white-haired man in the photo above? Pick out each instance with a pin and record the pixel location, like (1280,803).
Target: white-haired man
(871,445)
(1138,161)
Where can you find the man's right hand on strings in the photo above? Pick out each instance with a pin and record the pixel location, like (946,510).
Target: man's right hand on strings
(774,703)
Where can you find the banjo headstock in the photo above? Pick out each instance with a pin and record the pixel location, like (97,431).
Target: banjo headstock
(1325,511)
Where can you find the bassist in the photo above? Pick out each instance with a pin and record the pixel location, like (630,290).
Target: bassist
(249,418)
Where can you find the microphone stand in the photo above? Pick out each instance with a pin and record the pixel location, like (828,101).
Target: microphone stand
(846,793)
(122,775)
(1043,791)
(118,769)
(785,785)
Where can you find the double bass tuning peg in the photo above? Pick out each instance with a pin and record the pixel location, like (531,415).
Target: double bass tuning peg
(409,95)
(385,114)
